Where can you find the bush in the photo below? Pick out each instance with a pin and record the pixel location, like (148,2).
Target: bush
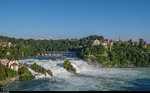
(10,73)
(23,70)
(25,74)
(6,72)
(38,68)
(68,66)
(25,64)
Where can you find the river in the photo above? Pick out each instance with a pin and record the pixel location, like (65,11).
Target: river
(88,77)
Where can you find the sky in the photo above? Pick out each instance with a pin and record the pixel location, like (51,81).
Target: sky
(60,19)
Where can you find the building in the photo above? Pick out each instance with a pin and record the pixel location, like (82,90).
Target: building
(96,42)
(135,43)
(5,43)
(111,43)
(14,66)
(145,45)
(13,63)
(4,61)
(120,42)
(104,42)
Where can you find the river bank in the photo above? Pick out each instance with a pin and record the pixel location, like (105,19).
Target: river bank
(8,80)
(25,73)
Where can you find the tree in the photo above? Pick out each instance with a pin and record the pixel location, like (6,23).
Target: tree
(141,42)
(2,72)
(130,41)
(6,72)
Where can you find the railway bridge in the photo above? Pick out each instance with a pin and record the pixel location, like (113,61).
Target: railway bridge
(58,53)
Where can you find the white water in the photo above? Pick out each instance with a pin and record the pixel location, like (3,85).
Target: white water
(56,66)
(39,75)
(87,78)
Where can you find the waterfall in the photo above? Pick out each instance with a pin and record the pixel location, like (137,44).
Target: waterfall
(56,66)
(82,68)
(88,77)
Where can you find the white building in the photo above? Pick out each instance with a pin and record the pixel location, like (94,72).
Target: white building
(14,66)
(5,43)
(13,63)
(4,61)
(96,42)
(104,42)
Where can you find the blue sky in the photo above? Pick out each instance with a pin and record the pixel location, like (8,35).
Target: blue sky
(75,18)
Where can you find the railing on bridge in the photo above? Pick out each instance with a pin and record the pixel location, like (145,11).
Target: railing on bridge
(58,53)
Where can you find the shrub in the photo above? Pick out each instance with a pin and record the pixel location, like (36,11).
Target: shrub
(25,64)
(6,72)
(25,74)
(38,68)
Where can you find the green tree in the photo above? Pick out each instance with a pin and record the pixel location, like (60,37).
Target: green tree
(141,42)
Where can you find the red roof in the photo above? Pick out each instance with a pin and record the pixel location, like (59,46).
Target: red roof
(4,42)
(145,44)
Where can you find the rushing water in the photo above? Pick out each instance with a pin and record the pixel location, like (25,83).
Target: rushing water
(88,77)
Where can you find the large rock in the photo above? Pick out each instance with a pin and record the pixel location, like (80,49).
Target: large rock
(68,66)
(49,72)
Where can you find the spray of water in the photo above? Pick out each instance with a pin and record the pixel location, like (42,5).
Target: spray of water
(82,68)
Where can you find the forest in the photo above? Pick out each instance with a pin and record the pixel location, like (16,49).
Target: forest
(122,55)
(21,48)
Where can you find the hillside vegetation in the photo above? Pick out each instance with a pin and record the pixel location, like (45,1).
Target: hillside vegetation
(6,72)
(24,48)
(25,74)
(122,55)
